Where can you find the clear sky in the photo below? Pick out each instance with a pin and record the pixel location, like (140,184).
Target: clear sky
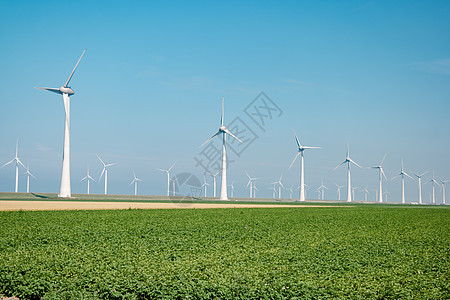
(374,74)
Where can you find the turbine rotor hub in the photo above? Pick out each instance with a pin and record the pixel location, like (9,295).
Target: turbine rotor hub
(66,90)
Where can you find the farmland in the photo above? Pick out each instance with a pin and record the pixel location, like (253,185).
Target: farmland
(364,251)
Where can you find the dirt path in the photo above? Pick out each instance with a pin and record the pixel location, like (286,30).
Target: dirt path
(74,205)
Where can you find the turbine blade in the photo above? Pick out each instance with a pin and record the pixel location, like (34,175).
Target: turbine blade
(353,162)
(73,71)
(296,155)
(84,178)
(308,147)
(8,163)
(408,175)
(113,164)
(229,132)
(171,167)
(54,90)
(384,158)
(101,175)
(20,163)
(339,165)
(213,136)
(100,160)
(296,139)
(382,172)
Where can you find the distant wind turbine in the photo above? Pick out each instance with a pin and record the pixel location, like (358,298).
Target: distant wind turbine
(274,190)
(214,182)
(135,181)
(28,173)
(339,187)
(353,191)
(302,170)
(402,174)
(232,189)
(223,131)
(280,185)
(348,161)
(168,177)
(66,91)
(366,192)
(433,182)
(204,185)
(87,178)
(380,175)
(443,182)
(105,171)
(17,162)
(250,183)
(419,177)
(386,193)
(322,188)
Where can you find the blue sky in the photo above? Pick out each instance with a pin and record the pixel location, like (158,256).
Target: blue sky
(373,74)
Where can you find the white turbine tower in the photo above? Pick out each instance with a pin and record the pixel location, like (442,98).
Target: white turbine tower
(302,170)
(380,175)
(232,189)
(402,174)
(339,187)
(433,182)
(280,185)
(66,91)
(105,171)
(28,173)
(168,177)
(348,161)
(366,192)
(419,177)
(224,131)
(274,190)
(443,182)
(353,192)
(135,181)
(250,183)
(87,178)
(16,159)
(386,193)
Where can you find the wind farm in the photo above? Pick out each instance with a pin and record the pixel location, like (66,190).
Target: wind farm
(202,157)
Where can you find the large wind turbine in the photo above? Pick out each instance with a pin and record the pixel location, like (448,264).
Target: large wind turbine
(380,174)
(168,177)
(105,171)
(403,174)
(224,131)
(87,178)
(348,161)
(66,91)
(302,170)
(28,173)
(419,177)
(16,159)
(135,181)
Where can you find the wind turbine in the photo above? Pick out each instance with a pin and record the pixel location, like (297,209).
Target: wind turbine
(28,173)
(443,189)
(402,174)
(339,187)
(302,170)
(214,181)
(87,178)
(366,192)
(250,183)
(386,193)
(322,188)
(280,185)
(66,91)
(274,190)
(380,174)
(105,171)
(419,177)
(290,191)
(254,190)
(353,191)
(205,184)
(232,189)
(168,177)
(348,161)
(433,182)
(224,131)
(135,181)
(16,159)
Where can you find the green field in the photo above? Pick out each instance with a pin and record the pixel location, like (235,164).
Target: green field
(365,252)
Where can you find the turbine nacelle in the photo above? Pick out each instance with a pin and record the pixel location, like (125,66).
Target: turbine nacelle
(66,90)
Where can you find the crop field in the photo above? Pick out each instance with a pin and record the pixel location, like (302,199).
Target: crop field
(364,251)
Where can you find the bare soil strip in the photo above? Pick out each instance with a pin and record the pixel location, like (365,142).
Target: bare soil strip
(73,205)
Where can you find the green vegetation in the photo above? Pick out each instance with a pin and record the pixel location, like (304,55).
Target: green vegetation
(365,251)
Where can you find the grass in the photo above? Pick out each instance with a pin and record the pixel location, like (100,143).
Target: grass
(366,251)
